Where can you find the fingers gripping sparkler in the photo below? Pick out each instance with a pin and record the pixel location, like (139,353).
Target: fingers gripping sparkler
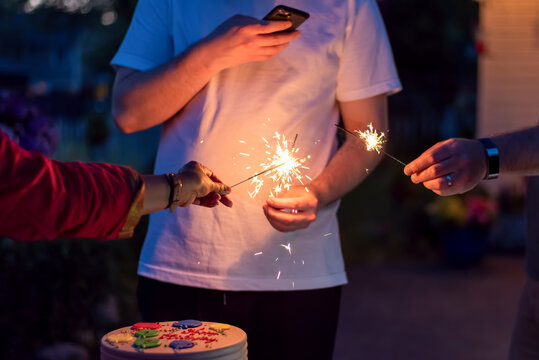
(373,140)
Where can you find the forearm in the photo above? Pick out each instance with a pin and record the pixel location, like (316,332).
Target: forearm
(156,193)
(519,151)
(346,170)
(352,162)
(46,199)
(143,99)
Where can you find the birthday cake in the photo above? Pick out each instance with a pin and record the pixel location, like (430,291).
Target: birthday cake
(185,340)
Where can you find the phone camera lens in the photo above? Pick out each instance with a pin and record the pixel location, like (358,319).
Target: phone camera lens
(283,13)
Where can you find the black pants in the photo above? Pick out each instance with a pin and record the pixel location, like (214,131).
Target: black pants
(280,325)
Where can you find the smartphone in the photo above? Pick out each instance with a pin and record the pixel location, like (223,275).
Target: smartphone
(281,12)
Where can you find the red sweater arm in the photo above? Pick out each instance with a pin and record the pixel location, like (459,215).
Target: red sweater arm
(45,199)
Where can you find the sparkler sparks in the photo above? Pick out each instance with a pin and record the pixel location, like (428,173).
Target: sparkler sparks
(373,140)
(282,166)
(288,248)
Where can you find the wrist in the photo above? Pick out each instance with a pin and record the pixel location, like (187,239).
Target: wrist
(175,188)
(202,55)
(156,193)
(317,191)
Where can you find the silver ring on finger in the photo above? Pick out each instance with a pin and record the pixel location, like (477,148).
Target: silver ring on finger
(449,180)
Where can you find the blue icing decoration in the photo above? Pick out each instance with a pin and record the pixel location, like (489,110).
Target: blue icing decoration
(181,344)
(185,324)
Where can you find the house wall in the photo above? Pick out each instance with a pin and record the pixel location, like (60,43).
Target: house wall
(508,83)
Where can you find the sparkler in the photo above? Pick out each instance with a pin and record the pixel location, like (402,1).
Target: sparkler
(373,140)
(282,166)
(257,174)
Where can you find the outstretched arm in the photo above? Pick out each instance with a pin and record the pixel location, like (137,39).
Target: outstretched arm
(466,162)
(45,199)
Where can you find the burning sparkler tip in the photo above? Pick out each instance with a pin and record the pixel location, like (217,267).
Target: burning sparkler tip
(282,167)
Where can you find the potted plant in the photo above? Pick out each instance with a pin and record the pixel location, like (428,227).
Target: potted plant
(463,223)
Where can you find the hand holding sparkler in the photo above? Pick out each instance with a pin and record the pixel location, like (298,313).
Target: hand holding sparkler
(294,209)
(200,186)
(450,167)
(373,140)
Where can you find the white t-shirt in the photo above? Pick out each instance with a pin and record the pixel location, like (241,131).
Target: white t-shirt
(342,55)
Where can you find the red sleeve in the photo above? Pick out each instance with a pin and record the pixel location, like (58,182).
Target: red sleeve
(45,199)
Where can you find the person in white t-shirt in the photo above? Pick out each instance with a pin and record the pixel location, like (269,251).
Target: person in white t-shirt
(223,85)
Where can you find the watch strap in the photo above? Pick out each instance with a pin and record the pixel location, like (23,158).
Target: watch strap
(493,158)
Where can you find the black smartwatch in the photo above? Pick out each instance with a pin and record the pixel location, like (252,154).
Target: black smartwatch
(493,158)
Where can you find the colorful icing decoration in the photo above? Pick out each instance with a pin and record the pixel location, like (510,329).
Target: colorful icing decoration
(146,333)
(186,324)
(147,343)
(181,344)
(145,325)
(120,338)
(219,327)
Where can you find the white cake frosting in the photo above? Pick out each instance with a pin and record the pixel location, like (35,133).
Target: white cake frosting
(185,340)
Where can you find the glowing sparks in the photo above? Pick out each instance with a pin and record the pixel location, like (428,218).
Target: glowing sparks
(257,185)
(282,166)
(373,139)
(288,248)
(281,169)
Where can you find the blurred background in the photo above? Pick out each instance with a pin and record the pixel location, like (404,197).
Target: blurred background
(429,277)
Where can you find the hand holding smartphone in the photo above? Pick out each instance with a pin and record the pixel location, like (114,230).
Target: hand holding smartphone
(281,12)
